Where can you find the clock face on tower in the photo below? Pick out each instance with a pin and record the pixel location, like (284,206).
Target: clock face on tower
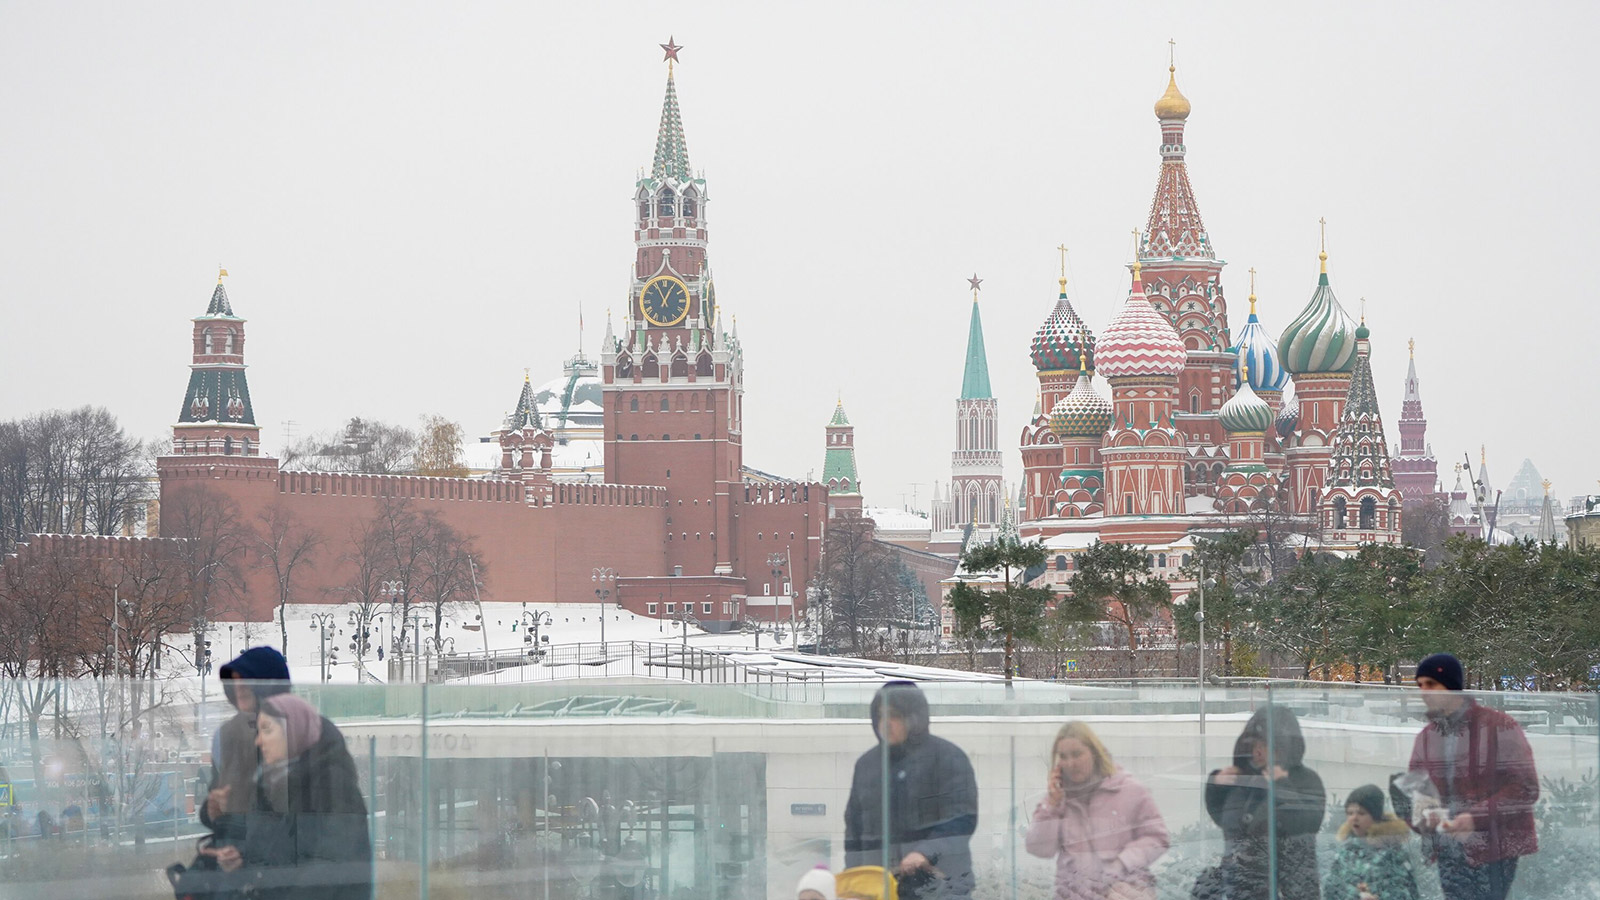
(664,301)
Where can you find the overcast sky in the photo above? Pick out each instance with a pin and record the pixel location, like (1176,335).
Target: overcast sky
(415,200)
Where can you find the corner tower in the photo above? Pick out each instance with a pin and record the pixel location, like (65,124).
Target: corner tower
(1183,279)
(216,418)
(672,380)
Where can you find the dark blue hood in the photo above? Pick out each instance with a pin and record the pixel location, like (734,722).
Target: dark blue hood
(259,664)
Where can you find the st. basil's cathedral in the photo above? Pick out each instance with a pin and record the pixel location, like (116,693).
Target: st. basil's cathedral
(1206,428)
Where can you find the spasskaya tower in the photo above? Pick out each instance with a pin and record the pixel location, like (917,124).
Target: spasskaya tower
(672,377)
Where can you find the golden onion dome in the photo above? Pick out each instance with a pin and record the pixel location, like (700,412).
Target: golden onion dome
(1173,104)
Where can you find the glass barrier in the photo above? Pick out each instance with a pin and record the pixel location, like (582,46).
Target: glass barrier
(642,788)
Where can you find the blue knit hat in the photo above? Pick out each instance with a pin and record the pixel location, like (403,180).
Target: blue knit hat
(1443,668)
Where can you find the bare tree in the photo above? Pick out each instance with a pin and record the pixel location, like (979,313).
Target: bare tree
(448,573)
(859,587)
(212,553)
(284,547)
(366,555)
(69,472)
(363,446)
(43,592)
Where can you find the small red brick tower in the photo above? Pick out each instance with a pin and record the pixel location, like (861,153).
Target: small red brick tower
(217,418)
(1183,279)
(673,379)
(1416,471)
(525,446)
(839,466)
(1144,453)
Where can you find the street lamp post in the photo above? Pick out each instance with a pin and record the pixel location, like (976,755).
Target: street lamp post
(394,590)
(1200,619)
(605,578)
(536,618)
(323,623)
(779,562)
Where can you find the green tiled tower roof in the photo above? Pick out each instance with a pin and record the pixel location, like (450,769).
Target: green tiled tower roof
(672,151)
(839,462)
(526,415)
(975,380)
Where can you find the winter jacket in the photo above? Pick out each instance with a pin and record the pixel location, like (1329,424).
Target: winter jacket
(1380,861)
(1240,809)
(1480,763)
(933,803)
(317,846)
(1111,834)
(233,748)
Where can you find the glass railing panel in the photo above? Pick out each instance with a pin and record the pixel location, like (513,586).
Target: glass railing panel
(659,788)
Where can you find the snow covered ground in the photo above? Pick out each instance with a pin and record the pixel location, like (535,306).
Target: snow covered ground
(501,632)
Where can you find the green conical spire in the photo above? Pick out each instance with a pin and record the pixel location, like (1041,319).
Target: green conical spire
(672,152)
(526,415)
(975,381)
(838,415)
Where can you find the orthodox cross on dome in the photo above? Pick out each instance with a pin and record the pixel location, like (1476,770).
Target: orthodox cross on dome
(1252,290)
(1137,242)
(1172,53)
(1323,253)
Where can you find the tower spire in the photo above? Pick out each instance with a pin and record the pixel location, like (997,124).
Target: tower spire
(672,152)
(975,378)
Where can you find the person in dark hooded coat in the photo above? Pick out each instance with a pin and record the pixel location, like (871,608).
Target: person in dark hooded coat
(1236,799)
(933,802)
(307,837)
(256,674)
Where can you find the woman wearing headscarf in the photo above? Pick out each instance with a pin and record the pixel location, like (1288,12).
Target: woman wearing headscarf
(307,837)
(1099,823)
(1237,799)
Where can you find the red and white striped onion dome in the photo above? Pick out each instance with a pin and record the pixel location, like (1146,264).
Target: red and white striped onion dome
(1139,341)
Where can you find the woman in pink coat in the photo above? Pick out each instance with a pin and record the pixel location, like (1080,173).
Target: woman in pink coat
(1098,822)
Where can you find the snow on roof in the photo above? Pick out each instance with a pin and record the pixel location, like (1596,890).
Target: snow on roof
(1199,505)
(889,519)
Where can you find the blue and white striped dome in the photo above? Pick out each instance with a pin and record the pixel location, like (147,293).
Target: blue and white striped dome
(1259,351)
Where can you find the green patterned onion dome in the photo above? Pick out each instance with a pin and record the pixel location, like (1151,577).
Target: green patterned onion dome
(1082,412)
(1245,412)
(1322,338)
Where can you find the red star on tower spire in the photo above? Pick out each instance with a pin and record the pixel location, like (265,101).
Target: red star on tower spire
(671,47)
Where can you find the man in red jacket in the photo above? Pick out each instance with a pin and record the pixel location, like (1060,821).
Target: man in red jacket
(1479,763)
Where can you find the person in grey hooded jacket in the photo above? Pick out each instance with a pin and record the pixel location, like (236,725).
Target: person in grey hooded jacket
(933,802)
